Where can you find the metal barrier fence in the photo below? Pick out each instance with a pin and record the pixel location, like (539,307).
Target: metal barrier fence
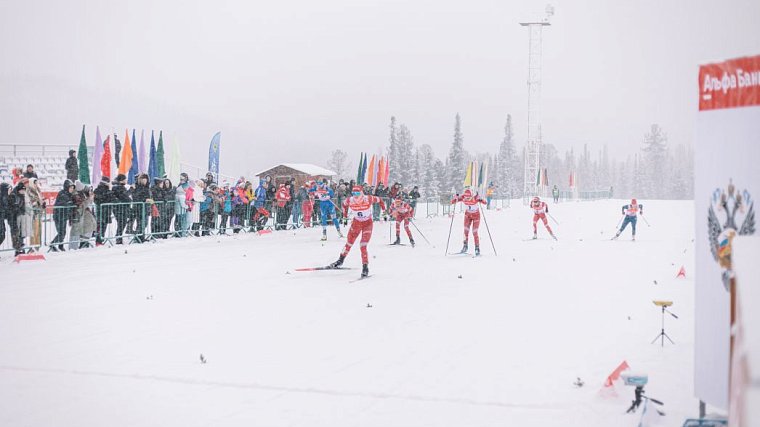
(61,228)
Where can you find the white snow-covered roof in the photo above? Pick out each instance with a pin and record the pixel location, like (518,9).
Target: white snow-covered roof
(306,168)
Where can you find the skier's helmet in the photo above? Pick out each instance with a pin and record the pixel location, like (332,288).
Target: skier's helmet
(536,199)
(357,190)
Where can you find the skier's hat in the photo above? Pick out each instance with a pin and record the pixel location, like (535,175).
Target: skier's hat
(357,189)
(467,192)
(633,201)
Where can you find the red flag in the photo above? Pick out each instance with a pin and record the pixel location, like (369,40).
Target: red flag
(105,160)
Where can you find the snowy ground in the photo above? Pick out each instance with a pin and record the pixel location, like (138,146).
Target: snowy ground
(108,337)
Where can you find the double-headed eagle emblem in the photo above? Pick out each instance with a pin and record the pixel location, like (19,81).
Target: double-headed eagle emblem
(736,207)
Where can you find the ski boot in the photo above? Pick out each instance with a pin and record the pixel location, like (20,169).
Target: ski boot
(411,242)
(338,263)
(464,249)
(554,237)
(535,236)
(633,238)
(340,234)
(365,270)
(477,250)
(324,235)
(616,236)
(398,240)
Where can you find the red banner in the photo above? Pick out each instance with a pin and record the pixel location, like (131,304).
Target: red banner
(49,197)
(730,84)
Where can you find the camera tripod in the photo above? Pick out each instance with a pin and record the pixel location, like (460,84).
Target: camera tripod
(639,397)
(662,335)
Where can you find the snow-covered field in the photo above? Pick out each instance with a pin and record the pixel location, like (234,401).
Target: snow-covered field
(113,336)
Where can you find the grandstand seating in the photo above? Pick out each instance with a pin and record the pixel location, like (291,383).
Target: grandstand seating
(49,166)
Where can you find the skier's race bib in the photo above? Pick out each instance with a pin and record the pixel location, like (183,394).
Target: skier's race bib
(538,210)
(323,195)
(632,210)
(362,207)
(471,205)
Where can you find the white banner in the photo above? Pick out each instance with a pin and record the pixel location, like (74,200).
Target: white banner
(727,179)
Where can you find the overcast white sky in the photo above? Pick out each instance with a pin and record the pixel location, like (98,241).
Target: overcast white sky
(289,81)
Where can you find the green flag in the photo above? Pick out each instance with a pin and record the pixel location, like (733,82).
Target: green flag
(359,172)
(84,167)
(161,168)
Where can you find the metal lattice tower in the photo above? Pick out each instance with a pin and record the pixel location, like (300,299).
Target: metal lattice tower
(533,146)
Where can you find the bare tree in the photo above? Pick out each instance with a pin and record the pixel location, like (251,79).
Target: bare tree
(338,162)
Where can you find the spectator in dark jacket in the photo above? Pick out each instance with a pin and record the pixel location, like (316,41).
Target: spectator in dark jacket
(103,199)
(16,208)
(142,203)
(29,174)
(62,212)
(413,196)
(5,191)
(170,193)
(122,210)
(72,167)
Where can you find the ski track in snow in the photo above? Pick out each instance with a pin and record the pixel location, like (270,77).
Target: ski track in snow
(104,337)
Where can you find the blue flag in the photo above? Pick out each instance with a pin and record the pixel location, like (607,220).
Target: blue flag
(152,169)
(134,168)
(213,154)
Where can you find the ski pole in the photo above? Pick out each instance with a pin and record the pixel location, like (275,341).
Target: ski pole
(450,226)
(489,232)
(418,230)
(550,216)
(645,221)
(619,222)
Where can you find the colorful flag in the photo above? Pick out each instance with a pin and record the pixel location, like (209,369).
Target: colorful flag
(142,161)
(105,159)
(126,156)
(84,168)
(134,168)
(359,170)
(213,154)
(468,175)
(173,170)
(160,164)
(371,175)
(364,169)
(152,169)
(96,173)
(379,170)
(116,149)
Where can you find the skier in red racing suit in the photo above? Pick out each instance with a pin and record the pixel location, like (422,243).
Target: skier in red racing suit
(361,205)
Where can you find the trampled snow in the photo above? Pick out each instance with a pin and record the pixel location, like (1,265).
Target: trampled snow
(112,336)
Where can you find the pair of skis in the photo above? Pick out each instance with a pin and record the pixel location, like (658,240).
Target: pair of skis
(327,267)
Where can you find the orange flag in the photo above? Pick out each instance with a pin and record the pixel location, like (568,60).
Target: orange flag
(126,156)
(371,172)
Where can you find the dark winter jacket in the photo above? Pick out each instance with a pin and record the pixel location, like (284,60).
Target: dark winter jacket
(104,195)
(5,190)
(64,203)
(16,204)
(158,193)
(120,195)
(72,168)
(141,192)
(30,175)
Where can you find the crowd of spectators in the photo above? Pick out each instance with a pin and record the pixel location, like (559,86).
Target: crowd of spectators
(84,216)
